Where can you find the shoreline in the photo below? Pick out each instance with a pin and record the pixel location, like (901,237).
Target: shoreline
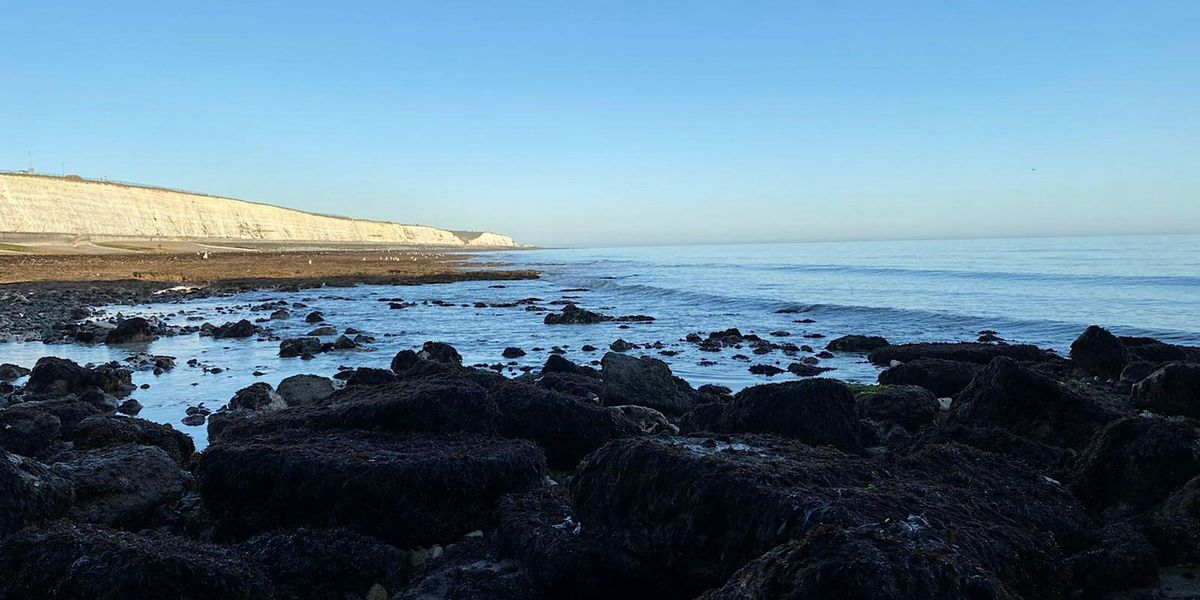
(61,289)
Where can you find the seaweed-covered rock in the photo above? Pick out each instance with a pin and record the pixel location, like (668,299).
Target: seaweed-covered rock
(440,352)
(53,376)
(944,378)
(857,343)
(106,431)
(1158,352)
(471,569)
(367,376)
(573,315)
(1008,395)
(556,363)
(1173,389)
(565,559)
(259,397)
(304,346)
(404,489)
(647,420)
(30,492)
(566,428)
(972,352)
(10,372)
(891,561)
(128,486)
(1098,352)
(323,564)
(88,562)
(643,381)
(420,405)
(910,407)
(1137,461)
(28,431)
(303,390)
(69,412)
(1175,525)
(240,329)
(1118,557)
(704,507)
(130,331)
(814,411)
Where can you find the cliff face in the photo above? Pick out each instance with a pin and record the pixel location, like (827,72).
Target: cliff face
(57,205)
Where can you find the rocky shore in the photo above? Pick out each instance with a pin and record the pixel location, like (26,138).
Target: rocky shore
(971,470)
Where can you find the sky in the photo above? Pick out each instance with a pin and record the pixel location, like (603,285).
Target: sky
(628,123)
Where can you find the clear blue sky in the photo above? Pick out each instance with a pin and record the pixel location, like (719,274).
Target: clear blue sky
(630,122)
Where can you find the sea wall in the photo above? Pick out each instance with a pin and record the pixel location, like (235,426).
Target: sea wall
(37,204)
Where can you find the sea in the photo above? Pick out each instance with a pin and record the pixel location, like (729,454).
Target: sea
(1043,291)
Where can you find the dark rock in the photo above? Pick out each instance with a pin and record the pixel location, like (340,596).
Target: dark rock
(560,364)
(1098,352)
(29,432)
(1155,351)
(648,420)
(9,372)
(621,345)
(259,397)
(108,431)
(323,330)
(891,561)
(857,343)
(801,369)
(131,331)
(315,563)
(344,343)
(440,352)
(1138,462)
(573,315)
(566,428)
(403,361)
(1136,371)
(910,407)
(471,569)
(194,420)
(53,376)
(1173,389)
(280,315)
(972,352)
(303,390)
(407,490)
(768,370)
(512,352)
(32,492)
(643,381)
(299,347)
(1120,557)
(240,329)
(945,378)
(314,317)
(814,411)
(1008,395)
(563,558)
(367,376)
(85,561)
(1175,525)
(128,486)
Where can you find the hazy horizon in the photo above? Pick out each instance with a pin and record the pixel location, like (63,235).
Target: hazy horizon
(630,124)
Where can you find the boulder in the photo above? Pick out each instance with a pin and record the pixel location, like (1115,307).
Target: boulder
(304,390)
(1173,389)
(29,432)
(32,492)
(566,428)
(857,343)
(468,570)
(323,563)
(1098,352)
(945,378)
(10,372)
(403,361)
(901,560)
(240,329)
(69,412)
(573,315)
(323,330)
(258,397)
(107,431)
(440,352)
(512,352)
(53,376)
(305,346)
(1118,557)
(559,364)
(911,407)
(1008,395)
(813,411)
(130,487)
(972,352)
(1175,525)
(768,370)
(89,562)
(1158,352)
(648,420)
(643,381)
(131,331)
(314,317)
(404,489)
(367,376)
(1138,462)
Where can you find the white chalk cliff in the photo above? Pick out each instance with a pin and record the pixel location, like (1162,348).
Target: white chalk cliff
(37,204)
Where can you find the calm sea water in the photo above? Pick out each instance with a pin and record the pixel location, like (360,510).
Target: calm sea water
(1042,291)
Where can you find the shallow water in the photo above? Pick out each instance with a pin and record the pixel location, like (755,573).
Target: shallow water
(1042,291)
